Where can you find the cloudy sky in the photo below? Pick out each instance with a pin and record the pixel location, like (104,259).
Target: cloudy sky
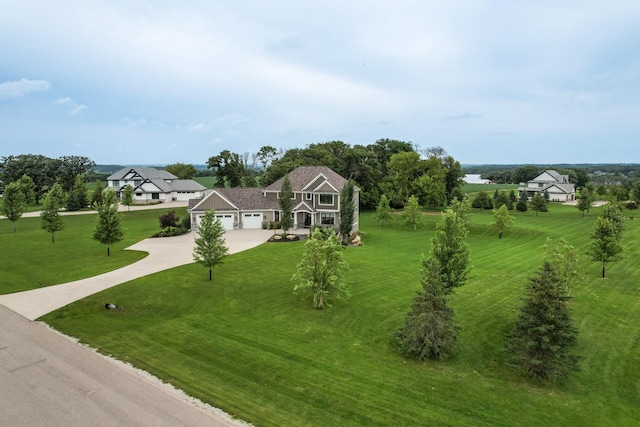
(156,82)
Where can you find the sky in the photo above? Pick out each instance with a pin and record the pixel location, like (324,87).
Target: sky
(160,82)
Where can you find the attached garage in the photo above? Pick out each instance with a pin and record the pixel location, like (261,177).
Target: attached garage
(252,220)
(226,220)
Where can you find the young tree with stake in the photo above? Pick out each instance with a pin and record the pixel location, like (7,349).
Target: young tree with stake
(210,248)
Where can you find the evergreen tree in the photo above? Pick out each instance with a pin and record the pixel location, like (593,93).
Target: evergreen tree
(482,201)
(321,269)
(108,227)
(521,206)
(428,331)
(96,197)
(78,198)
(286,204)
(412,213)
(544,334)
(210,248)
(50,219)
(450,249)
(538,203)
(383,211)
(347,209)
(13,203)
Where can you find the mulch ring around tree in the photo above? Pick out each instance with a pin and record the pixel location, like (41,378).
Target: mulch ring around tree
(286,237)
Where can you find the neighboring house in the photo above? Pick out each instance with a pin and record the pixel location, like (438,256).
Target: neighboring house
(316,195)
(472,178)
(151,184)
(551,182)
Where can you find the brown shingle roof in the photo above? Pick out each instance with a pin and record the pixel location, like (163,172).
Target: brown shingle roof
(303,175)
(248,198)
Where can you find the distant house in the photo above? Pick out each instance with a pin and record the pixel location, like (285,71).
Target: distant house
(151,184)
(557,186)
(316,200)
(473,178)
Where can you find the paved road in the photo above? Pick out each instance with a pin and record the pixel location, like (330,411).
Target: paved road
(49,380)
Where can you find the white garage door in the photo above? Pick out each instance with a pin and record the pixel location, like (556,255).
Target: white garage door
(226,220)
(252,220)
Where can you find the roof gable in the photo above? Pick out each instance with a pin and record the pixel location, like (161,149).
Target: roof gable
(303,176)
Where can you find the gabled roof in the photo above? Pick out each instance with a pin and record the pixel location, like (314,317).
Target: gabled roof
(304,175)
(243,199)
(145,173)
(554,175)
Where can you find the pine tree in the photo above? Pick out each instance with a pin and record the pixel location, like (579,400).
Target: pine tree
(78,198)
(383,211)
(544,333)
(50,219)
(210,248)
(286,204)
(347,209)
(428,331)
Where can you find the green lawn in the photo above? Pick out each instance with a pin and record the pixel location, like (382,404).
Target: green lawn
(207,181)
(489,188)
(246,344)
(30,260)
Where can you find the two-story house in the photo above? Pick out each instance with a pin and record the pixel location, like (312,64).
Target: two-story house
(557,186)
(316,200)
(151,184)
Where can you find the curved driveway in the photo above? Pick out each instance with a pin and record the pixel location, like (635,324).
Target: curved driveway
(49,380)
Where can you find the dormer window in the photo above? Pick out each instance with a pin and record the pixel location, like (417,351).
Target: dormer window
(308,196)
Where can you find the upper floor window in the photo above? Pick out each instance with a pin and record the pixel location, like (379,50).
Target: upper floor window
(137,182)
(116,183)
(326,199)
(308,196)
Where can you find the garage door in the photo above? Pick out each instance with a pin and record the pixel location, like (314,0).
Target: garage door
(226,220)
(252,220)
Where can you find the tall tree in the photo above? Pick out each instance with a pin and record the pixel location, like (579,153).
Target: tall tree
(228,168)
(428,331)
(210,248)
(403,169)
(13,203)
(321,269)
(127,197)
(78,196)
(347,209)
(482,201)
(502,221)
(266,155)
(28,188)
(522,205)
(412,213)
(544,334)
(182,170)
(108,228)
(383,211)
(72,166)
(449,247)
(50,219)
(286,204)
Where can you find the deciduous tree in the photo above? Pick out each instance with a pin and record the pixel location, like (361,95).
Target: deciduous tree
(412,213)
(538,203)
(127,197)
(502,221)
(13,203)
(210,248)
(78,196)
(182,170)
(96,197)
(108,228)
(50,219)
(449,247)
(28,188)
(321,269)
(606,237)
(540,345)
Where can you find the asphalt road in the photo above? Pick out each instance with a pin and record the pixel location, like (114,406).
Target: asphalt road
(48,380)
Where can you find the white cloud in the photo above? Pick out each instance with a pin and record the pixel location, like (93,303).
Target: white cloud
(22,87)
(73,107)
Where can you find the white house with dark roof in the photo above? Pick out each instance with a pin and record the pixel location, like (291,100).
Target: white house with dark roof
(151,184)
(316,196)
(557,186)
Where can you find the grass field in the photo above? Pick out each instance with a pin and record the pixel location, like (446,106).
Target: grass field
(246,344)
(30,260)
(207,181)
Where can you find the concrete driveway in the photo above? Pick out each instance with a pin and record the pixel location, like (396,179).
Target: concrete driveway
(49,380)
(164,253)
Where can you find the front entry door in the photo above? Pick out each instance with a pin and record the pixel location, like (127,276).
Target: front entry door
(307,220)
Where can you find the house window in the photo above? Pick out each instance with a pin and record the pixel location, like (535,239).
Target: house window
(276,216)
(138,194)
(137,182)
(327,218)
(540,185)
(326,199)
(155,196)
(308,196)
(116,183)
